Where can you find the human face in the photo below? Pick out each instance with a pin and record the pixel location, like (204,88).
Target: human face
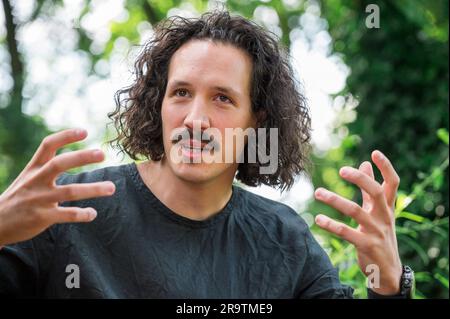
(208,88)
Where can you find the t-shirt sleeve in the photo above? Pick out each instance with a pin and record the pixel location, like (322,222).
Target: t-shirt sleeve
(320,279)
(23,266)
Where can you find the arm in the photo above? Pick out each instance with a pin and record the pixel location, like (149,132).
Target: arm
(30,206)
(24,266)
(320,280)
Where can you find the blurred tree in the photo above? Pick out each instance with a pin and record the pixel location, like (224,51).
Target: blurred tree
(19,133)
(399,75)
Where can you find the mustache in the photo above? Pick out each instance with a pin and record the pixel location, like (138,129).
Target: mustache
(189,134)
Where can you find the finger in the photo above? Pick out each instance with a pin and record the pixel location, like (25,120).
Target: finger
(73,215)
(66,161)
(366,183)
(390,176)
(74,192)
(50,144)
(339,229)
(366,168)
(345,206)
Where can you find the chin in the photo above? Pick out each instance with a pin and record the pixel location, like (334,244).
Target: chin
(198,172)
(194,173)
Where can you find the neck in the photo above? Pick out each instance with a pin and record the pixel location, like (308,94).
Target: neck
(194,200)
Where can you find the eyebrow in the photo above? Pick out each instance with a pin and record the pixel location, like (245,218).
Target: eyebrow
(223,89)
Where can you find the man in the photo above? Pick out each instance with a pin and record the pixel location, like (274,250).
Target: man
(174,225)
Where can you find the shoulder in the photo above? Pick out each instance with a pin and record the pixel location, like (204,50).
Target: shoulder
(273,216)
(121,176)
(285,239)
(110,173)
(113,212)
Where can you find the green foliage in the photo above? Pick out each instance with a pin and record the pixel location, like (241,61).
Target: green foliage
(399,75)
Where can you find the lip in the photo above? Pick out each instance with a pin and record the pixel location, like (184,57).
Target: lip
(193,149)
(193,144)
(191,153)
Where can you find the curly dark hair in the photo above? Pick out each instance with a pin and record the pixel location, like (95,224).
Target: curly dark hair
(275,97)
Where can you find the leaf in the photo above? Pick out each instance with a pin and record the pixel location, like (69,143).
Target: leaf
(353,271)
(403,200)
(423,276)
(400,230)
(411,216)
(418,249)
(442,280)
(442,133)
(418,294)
(336,244)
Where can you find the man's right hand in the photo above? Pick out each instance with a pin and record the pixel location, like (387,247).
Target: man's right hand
(30,204)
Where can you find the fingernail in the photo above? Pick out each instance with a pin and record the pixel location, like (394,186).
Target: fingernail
(80,132)
(92,214)
(379,155)
(320,192)
(345,171)
(98,154)
(320,220)
(365,163)
(111,188)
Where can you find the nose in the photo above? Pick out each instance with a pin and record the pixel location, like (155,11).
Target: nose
(198,114)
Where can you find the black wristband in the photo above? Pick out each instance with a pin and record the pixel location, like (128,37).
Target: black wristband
(407,285)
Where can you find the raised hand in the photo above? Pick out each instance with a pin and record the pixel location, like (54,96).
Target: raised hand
(375,239)
(30,204)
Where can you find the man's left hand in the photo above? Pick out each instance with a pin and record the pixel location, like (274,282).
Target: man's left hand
(375,239)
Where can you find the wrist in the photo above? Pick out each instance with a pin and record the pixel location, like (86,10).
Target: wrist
(390,282)
(388,289)
(406,287)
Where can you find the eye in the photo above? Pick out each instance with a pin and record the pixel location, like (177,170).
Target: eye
(181,92)
(224,99)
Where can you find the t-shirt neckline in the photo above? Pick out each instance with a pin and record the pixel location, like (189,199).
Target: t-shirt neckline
(167,212)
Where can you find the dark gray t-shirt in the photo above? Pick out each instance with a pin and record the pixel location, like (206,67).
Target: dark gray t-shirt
(139,248)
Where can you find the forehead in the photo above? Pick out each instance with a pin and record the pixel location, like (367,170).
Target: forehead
(204,62)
